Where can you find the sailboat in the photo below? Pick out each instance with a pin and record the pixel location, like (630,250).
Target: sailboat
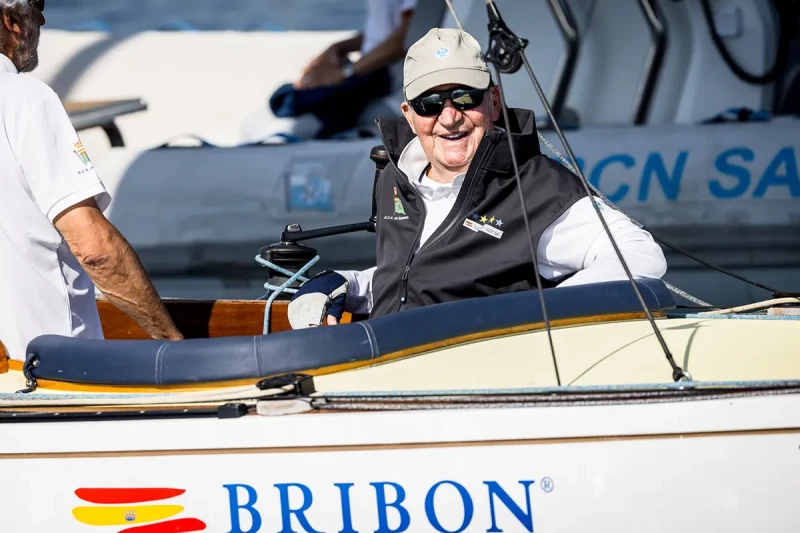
(603,407)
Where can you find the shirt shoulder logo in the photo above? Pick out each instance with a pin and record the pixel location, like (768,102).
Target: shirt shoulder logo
(485,224)
(81,153)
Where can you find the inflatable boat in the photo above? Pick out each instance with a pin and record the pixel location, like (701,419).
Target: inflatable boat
(641,84)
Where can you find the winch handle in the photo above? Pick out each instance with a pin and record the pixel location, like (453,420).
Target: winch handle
(380,157)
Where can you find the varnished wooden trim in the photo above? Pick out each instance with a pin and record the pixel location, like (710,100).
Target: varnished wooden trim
(416,350)
(402,446)
(3,359)
(203,319)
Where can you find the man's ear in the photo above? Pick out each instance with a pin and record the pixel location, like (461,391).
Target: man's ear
(409,114)
(11,22)
(496,103)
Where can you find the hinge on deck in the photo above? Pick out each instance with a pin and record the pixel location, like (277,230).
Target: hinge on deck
(302,384)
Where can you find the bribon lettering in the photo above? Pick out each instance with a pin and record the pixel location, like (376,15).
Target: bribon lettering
(526,519)
(449,507)
(235,507)
(347,516)
(466,502)
(287,511)
(380,495)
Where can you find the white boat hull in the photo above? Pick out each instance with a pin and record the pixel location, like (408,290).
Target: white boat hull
(700,465)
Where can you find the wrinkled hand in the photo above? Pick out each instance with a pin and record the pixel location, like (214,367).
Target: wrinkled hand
(320,69)
(320,76)
(322,296)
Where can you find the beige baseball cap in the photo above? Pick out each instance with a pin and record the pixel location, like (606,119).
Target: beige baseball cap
(441,57)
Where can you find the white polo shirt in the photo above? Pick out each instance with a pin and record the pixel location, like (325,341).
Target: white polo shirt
(44,170)
(383,18)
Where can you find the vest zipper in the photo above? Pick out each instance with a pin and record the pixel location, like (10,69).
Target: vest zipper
(411,256)
(404,298)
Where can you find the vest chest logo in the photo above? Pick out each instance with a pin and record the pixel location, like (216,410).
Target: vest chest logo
(399,209)
(485,224)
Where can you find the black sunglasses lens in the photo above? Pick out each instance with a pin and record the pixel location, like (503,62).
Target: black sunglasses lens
(464,99)
(432,104)
(428,106)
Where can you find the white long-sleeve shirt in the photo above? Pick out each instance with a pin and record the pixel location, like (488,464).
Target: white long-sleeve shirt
(574,243)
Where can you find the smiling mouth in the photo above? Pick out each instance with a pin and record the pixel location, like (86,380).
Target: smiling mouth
(455,136)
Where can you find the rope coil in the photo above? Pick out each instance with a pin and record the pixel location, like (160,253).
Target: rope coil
(282,288)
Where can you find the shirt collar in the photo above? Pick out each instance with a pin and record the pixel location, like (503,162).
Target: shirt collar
(7,65)
(413,163)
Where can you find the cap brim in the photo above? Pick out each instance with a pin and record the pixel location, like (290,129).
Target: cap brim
(479,79)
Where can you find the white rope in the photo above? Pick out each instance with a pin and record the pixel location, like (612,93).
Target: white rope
(277,290)
(176,398)
(754,306)
(455,15)
(683,294)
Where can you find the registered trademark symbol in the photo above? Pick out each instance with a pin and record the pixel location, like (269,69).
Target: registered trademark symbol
(547,484)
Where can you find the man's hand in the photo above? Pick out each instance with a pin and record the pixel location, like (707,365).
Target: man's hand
(322,296)
(320,76)
(320,68)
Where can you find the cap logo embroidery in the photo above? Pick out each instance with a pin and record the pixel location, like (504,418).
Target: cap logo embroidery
(443,53)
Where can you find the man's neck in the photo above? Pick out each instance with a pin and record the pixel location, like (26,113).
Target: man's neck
(441,174)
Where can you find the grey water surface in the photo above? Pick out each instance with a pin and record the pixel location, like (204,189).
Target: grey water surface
(131,16)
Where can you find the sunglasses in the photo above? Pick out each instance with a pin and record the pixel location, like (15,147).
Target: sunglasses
(432,104)
(38,4)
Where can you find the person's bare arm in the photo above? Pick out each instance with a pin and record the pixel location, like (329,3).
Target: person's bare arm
(392,49)
(331,58)
(114,267)
(353,44)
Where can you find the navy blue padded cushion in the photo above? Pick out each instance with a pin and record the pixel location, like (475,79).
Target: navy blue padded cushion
(152,362)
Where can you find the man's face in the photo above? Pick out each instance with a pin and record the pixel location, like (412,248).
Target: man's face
(451,138)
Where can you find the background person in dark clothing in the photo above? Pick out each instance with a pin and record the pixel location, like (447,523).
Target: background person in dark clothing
(334,89)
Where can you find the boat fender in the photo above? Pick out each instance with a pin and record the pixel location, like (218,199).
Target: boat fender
(321,296)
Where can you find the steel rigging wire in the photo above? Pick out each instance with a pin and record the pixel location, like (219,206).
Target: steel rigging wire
(506,52)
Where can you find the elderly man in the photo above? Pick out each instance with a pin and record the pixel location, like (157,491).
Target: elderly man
(52,229)
(450,223)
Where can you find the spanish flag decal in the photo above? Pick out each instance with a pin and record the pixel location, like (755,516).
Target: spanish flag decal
(133,507)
